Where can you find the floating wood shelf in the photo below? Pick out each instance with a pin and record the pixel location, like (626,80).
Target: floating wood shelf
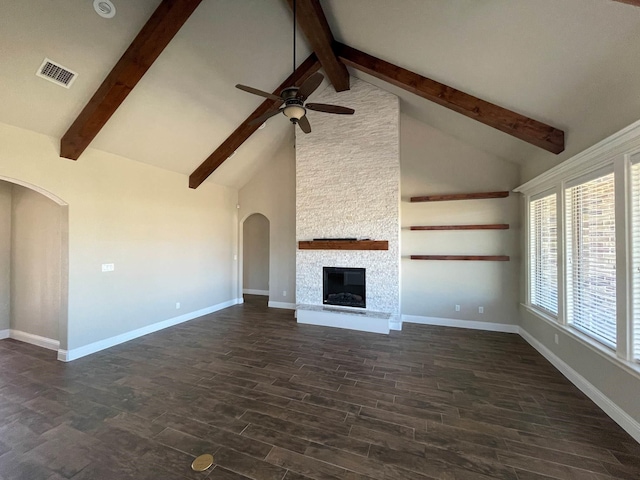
(344,245)
(488,258)
(493,226)
(460,196)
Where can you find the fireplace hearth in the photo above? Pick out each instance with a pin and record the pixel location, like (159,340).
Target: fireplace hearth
(344,287)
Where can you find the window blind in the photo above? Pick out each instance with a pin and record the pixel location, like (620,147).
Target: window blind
(591,257)
(543,254)
(635,211)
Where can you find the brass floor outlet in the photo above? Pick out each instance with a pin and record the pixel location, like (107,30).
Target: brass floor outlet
(202,463)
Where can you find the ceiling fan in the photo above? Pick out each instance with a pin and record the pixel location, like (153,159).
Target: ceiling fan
(294,107)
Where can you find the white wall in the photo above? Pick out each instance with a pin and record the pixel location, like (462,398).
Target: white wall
(255,255)
(37,260)
(168,243)
(271,192)
(434,163)
(5,255)
(348,185)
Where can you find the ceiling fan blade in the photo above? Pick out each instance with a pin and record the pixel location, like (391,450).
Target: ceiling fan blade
(323,107)
(304,124)
(264,117)
(309,86)
(255,91)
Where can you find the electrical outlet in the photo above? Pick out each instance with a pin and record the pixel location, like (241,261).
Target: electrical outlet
(457,308)
(556,339)
(480,309)
(108,267)
(284,293)
(177,305)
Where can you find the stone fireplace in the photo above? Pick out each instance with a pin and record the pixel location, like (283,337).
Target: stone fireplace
(348,186)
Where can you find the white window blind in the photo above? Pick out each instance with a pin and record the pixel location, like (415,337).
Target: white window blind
(635,210)
(591,257)
(543,254)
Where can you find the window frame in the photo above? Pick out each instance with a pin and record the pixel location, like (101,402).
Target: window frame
(615,153)
(533,198)
(567,229)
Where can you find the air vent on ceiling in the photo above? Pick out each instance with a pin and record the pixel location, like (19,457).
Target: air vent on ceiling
(56,73)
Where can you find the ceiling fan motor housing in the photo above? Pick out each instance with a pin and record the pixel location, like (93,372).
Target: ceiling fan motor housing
(293,106)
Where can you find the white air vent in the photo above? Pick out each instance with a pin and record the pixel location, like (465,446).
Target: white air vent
(56,73)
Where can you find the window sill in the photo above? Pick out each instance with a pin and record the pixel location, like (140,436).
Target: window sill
(630,367)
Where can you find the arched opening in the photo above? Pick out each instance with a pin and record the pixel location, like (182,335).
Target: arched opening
(34,233)
(255,256)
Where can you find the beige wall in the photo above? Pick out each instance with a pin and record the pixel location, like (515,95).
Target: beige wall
(36,263)
(431,163)
(5,255)
(255,256)
(168,243)
(271,192)
(618,384)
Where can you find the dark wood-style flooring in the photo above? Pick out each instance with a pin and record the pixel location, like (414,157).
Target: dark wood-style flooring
(275,400)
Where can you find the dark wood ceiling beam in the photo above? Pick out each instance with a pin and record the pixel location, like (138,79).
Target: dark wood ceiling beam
(313,23)
(310,66)
(507,121)
(629,2)
(156,34)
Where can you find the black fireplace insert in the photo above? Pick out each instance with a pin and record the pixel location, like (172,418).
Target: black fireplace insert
(344,286)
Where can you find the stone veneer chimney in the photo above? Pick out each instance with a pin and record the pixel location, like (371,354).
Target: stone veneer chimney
(348,185)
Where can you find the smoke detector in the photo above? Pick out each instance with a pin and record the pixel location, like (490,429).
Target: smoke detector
(104,8)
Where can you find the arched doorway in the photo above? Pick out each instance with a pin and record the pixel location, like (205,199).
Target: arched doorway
(255,255)
(34,250)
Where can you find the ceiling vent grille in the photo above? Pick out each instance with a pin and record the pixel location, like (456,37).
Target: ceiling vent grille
(56,73)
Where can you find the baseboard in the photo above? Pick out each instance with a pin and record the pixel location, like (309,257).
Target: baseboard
(75,353)
(5,334)
(37,340)
(251,291)
(622,418)
(288,306)
(239,301)
(452,322)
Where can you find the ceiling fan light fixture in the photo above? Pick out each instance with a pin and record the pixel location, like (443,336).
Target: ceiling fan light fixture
(294,112)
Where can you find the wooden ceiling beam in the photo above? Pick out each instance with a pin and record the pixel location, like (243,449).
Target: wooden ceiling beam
(156,34)
(507,121)
(629,2)
(310,66)
(314,24)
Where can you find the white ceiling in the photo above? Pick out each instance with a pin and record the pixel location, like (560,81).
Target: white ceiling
(574,64)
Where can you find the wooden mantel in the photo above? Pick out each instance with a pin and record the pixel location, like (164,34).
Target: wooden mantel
(344,245)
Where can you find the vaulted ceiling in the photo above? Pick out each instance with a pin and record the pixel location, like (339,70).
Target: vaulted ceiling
(571,64)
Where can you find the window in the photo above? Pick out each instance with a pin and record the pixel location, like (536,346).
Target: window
(635,210)
(591,258)
(543,254)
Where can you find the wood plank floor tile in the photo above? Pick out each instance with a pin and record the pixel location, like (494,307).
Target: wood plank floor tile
(274,400)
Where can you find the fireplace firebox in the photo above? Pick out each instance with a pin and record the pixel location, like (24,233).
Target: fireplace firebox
(344,287)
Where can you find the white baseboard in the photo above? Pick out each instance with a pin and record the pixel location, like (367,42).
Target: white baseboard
(5,334)
(251,291)
(75,353)
(239,301)
(288,306)
(37,340)
(622,418)
(452,322)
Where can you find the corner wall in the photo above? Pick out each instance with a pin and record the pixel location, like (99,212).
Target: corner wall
(36,264)
(435,163)
(168,243)
(271,192)
(5,257)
